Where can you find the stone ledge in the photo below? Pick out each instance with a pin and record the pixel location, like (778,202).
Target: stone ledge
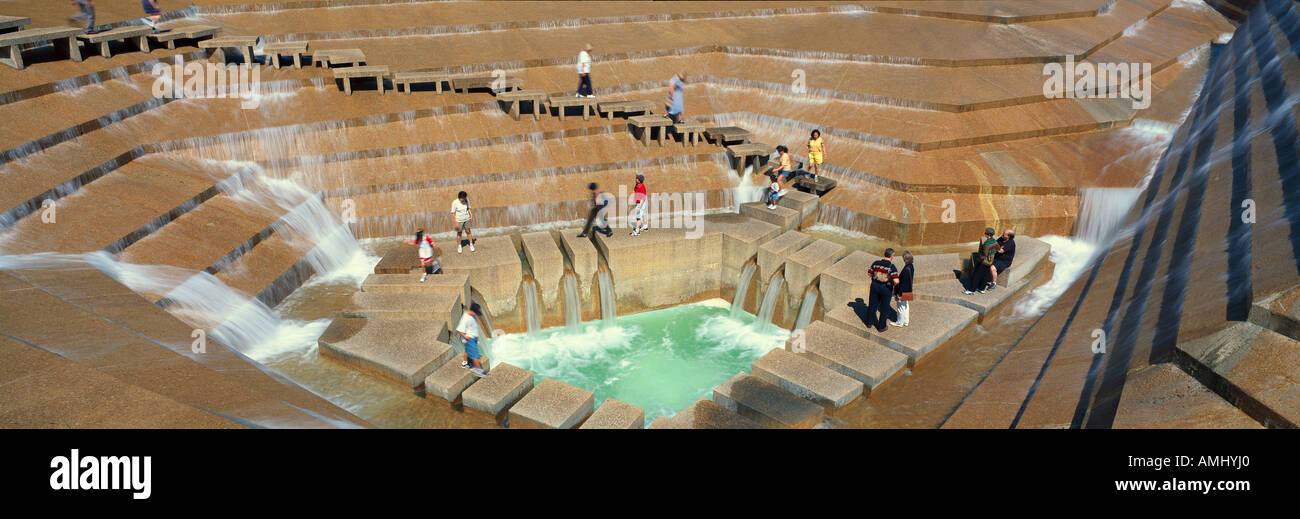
(552,405)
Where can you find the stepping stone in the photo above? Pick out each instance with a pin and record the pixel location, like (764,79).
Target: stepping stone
(410,284)
(805,203)
(783,217)
(136,35)
(932,323)
(582,253)
(741,237)
(536,97)
(772,254)
(848,276)
(378,72)
(691,132)
(402,349)
(646,123)
(847,353)
(552,405)
(64,40)
(188,32)
(705,414)
(726,134)
(613,414)
(464,84)
(807,379)
(767,404)
(804,265)
(758,151)
(495,393)
(609,108)
(450,380)
(436,307)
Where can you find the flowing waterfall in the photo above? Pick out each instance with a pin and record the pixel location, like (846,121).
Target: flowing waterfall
(770,299)
(742,290)
(531,312)
(572,304)
(1102,211)
(807,307)
(607,303)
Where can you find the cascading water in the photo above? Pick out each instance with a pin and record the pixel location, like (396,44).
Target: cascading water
(807,307)
(1102,211)
(531,313)
(572,304)
(769,300)
(608,305)
(742,290)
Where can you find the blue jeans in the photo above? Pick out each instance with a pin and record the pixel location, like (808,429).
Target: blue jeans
(471,349)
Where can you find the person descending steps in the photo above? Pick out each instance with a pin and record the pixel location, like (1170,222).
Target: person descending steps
(469,331)
(640,200)
(464,215)
(428,253)
(600,202)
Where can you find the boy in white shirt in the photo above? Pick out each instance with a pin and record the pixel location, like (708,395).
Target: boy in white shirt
(468,330)
(464,215)
(584,72)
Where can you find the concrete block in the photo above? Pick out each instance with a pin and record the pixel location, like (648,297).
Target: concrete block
(932,323)
(848,353)
(1030,255)
(552,405)
(705,414)
(772,254)
(547,263)
(494,270)
(434,307)
(582,253)
(807,379)
(804,265)
(613,414)
(767,404)
(846,277)
(663,267)
(405,350)
(410,284)
(783,217)
(741,237)
(804,203)
(450,380)
(495,393)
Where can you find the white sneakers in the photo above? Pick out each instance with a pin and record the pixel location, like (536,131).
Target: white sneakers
(424,277)
(458,248)
(471,246)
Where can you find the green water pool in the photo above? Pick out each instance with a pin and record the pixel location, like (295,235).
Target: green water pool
(660,361)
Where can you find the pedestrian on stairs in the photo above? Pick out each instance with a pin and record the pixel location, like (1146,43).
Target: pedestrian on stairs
(584,72)
(469,332)
(464,217)
(428,251)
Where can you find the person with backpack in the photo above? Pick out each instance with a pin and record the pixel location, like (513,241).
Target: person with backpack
(884,276)
(469,332)
(981,268)
(429,253)
(464,216)
(903,290)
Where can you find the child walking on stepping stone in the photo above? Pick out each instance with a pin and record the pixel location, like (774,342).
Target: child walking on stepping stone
(428,253)
(468,330)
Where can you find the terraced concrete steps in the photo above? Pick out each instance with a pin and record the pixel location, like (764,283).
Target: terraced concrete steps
(804,265)
(847,353)
(807,379)
(494,394)
(433,307)
(773,253)
(552,405)
(1251,367)
(705,414)
(784,217)
(932,323)
(767,404)
(406,350)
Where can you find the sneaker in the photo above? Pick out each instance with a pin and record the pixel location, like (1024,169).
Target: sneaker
(424,277)
(891,323)
(582,235)
(984,291)
(464,364)
(633,233)
(967,292)
(577,95)
(471,247)
(992,286)
(478,372)
(459,247)
(591,95)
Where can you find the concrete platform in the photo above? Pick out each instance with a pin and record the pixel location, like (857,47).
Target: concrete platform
(552,405)
(705,414)
(411,284)
(772,254)
(663,267)
(951,292)
(805,203)
(547,263)
(495,393)
(1030,253)
(445,307)
(804,265)
(741,237)
(848,276)
(807,379)
(582,253)
(783,217)
(932,323)
(767,404)
(494,270)
(405,350)
(1259,365)
(848,353)
(613,414)
(450,380)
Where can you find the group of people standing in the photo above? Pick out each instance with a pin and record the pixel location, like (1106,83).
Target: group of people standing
(889,283)
(601,203)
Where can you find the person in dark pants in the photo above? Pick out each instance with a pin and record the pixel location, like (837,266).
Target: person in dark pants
(600,204)
(981,269)
(87,13)
(1006,254)
(904,291)
(584,72)
(884,276)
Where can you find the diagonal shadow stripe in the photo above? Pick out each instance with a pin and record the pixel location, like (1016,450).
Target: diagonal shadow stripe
(1281,120)
(1238,241)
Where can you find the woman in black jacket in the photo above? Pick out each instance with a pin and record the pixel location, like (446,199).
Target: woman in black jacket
(904,290)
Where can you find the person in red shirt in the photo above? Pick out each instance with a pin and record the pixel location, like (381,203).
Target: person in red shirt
(428,251)
(640,199)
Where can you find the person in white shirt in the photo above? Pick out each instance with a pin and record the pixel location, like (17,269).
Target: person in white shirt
(464,215)
(584,72)
(428,253)
(774,193)
(469,331)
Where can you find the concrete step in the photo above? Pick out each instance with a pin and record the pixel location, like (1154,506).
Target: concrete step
(951,292)
(705,414)
(613,414)
(1279,312)
(494,394)
(767,404)
(804,203)
(1030,255)
(406,350)
(932,323)
(807,379)
(804,265)
(773,253)
(1253,368)
(848,353)
(784,217)
(847,278)
(434,308)
(450,380)
(552,405)
(409,283)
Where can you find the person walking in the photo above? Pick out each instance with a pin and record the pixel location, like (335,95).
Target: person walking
(464,216)
(469,332)
(152,13)
(675,104)
(640,200)
(428,251)
(816,152)
(903,290)
(773,192)
(1006,254)
(981,268)
(884,276)
(600,204)
(87,13)
(584,72)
